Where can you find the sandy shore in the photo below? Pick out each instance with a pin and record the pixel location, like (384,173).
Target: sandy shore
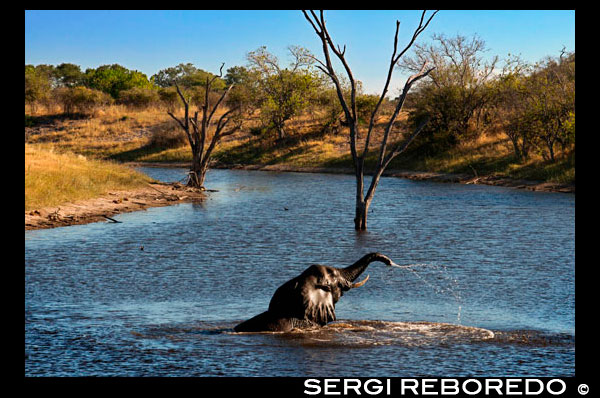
(106,206)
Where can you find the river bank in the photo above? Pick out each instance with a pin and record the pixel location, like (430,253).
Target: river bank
(495,180)
(114,202)
(165,194)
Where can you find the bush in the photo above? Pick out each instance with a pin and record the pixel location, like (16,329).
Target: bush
(365,104)
(198,95)
(113,79)
(168,135)
(37,86)
(139,97)
(80,99)
(169,98)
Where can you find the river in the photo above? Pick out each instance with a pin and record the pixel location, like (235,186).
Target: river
(488,287)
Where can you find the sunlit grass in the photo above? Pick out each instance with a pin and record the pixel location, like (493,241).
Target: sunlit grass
(53,178)
(126,135)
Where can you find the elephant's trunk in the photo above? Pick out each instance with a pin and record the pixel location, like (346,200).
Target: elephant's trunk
(352,272)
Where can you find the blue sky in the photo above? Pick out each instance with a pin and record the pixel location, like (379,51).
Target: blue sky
(149,41)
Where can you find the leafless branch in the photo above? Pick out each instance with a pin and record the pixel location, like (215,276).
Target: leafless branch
(350,108)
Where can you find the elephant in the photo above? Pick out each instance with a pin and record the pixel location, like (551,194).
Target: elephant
(309,299)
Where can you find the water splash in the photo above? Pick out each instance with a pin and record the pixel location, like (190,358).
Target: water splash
(451,286)
(365,333)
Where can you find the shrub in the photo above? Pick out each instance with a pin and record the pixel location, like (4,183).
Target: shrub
(80,99)
(365,105)
(139,97)
(37,86)
(169,98)
(167,135)
(113,79)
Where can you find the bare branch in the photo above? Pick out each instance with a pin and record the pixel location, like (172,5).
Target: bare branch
(185,102)
(311,22)
(394,60)
(398,149)
(401,147)
(350,109)
(219,102)
(186,129)
(176,119)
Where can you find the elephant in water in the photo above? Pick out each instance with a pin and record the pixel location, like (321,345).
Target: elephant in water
(309,299)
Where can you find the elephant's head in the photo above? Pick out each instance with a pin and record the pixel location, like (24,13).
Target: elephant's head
(312,295)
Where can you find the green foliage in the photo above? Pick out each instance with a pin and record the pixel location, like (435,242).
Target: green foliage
(237,75)
(365,105)
(536,106)
(113,79)
(282,92)
(245,94)
(37,85)
(457,91)
(186,75)
(327,100)
(69,75)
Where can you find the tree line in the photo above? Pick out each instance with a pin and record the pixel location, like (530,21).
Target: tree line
(464,96)
(457,94)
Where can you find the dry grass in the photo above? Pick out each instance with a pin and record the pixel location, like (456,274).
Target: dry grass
(52,178)
(150,135)
(108,131)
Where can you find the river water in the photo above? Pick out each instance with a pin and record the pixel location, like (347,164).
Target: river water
(486,288)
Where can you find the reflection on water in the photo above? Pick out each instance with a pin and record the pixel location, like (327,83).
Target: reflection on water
(484,286)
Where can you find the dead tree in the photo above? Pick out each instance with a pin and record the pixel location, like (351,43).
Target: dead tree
(197,131)
(363,200)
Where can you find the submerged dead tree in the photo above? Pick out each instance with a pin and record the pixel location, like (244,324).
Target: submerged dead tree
(349,107)
(197,131)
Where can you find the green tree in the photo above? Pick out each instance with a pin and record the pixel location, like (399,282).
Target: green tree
(283,92)
(328,102)
(552,101)
(38,85)
(186,76)
(535,105)
(457,92)
(169,98)
(511,112)
(69,75)
(245,94)
(113,79)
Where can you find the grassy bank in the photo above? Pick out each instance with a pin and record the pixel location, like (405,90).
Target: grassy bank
(149,135)
(52,178)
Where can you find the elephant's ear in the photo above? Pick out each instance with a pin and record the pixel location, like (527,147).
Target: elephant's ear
(298,298)
(317,303)
(319,307)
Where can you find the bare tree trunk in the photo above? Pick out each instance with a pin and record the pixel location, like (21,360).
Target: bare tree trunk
(517,150)
(360,219)
(350,110)
(280,130)
(197,173)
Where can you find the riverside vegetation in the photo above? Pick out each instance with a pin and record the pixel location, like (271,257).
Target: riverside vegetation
(517,121)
